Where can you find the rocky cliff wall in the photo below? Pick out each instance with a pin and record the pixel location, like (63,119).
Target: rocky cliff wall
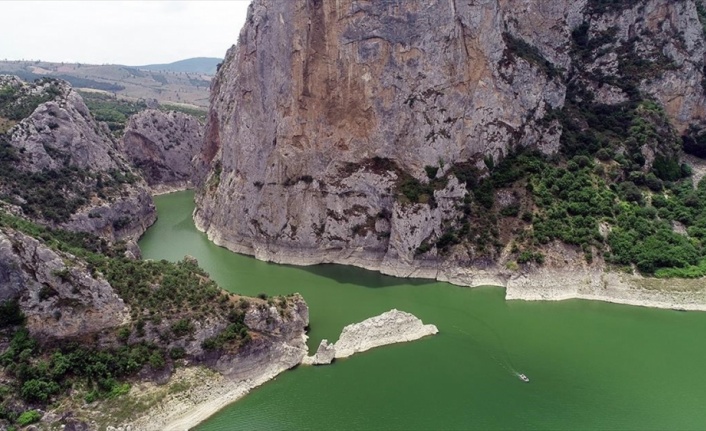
(326,115)
(414,82)
(161,145)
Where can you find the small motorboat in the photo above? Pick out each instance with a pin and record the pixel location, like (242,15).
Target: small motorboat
(523,378)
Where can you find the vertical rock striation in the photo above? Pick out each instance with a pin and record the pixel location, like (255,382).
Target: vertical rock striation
(325,110)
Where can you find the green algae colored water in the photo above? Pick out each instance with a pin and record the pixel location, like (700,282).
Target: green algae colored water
(592,365)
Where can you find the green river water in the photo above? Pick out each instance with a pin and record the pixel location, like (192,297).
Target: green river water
(592,365)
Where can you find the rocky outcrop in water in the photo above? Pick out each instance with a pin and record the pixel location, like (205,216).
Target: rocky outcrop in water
(325,354)
(390,327)
(63,168)
(161,145)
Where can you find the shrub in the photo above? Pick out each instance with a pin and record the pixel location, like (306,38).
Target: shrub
(10,313)
(604,155)
(510,211)
(124,333)
(182,327)
(156,360)
(28,417)
(38,390)
(667,168)
(177,352)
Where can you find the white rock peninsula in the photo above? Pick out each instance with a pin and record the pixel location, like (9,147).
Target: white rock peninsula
(391,327)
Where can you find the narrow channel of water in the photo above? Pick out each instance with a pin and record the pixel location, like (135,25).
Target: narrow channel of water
(592,365)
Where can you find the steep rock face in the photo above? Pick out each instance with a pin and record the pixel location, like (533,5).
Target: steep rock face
(310,140)
(73,175)
(162,145)
(56,292)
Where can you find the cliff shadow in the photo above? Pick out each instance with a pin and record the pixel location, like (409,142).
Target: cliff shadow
(347,274)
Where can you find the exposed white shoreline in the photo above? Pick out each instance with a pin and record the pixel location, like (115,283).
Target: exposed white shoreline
(164,189)
(541,284)
(209,394)
(220,394)
(546,283)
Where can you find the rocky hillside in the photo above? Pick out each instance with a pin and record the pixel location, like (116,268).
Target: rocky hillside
(162,146)
(461,140)
(62,168)
(80,320)
(81,317)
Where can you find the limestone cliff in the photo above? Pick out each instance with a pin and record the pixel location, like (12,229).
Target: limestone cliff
(161,145)
(63,168)
(374,133)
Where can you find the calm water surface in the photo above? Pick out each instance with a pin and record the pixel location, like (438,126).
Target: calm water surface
(592,365)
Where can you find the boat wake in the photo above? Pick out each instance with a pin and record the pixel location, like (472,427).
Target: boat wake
(504,360)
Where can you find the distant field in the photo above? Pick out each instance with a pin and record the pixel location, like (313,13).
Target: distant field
(208,65)
(178,88)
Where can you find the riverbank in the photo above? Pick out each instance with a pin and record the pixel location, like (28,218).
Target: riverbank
(164,189)
(564,276)
(196,393)
(192,396)
(585,359)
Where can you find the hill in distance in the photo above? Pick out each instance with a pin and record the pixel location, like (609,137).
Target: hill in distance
(205,65)
(186,87)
